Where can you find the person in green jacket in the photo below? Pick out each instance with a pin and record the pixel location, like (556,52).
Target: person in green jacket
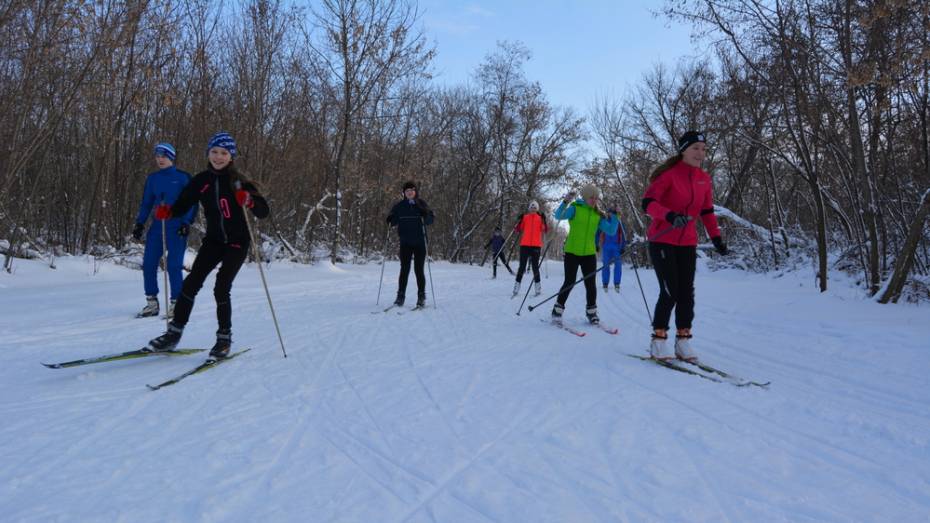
(585,216)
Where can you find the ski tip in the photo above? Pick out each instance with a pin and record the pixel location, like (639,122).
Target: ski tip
(152,387)
(52,365)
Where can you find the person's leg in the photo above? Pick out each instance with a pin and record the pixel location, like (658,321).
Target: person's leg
(406,254)
(664,262)
(605,272)
(209,255)
(588,266)
(176,247)
(234,256)
(524,257)
(534,262)
(571,264)
(419,259)
(618,270)
(150,259)
(686,260)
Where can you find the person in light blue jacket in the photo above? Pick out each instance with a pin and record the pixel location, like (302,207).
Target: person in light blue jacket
(611,247)
(163,186)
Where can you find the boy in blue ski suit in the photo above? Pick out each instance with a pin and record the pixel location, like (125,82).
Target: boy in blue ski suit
(163,185)
(611,246)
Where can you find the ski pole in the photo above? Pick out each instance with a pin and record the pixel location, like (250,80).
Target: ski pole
(383,259)
(164,250)
(589,275)
(429,265)
(572,285)
(257,254)
(525,295)
(638,282)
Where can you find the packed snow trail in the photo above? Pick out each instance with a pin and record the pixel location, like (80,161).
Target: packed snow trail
(463,411)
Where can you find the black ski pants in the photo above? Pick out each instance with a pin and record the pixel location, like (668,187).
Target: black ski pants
(503,258)
(418,253)
(231,255)
(530,254)
(674,265)
(588,266)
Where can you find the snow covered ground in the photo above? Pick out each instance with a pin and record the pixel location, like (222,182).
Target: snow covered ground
(460,413)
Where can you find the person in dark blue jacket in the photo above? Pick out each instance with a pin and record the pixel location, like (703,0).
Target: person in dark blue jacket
(611,247)
(163,186)
(411,216)
(496,244)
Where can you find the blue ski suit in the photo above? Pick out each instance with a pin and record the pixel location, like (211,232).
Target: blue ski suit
(164,185)
(612,246)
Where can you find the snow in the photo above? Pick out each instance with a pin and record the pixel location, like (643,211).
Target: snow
(460,413)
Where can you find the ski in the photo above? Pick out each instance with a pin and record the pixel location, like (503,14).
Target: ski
(742,382)
(566,328)
(608,330)
(390,308)
(672,364)
(139,353)
(210,363)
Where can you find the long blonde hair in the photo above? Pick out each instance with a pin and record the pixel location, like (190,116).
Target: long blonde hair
(664,166)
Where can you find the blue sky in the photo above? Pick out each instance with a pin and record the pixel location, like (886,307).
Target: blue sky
(581,49)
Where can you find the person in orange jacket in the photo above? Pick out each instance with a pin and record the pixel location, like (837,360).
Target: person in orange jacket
(533,228)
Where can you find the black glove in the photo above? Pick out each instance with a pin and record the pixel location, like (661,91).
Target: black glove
(137,231)
(184,229)
(388,220)
(421,206)
(720,246)
(569,198)
(597,248)
(678,221)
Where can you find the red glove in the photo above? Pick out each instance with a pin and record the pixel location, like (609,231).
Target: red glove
(163,212)
(244,199)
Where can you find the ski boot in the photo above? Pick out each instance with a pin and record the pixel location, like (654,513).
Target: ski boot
(537,288)
(399,302)
(658,347)
(223,343)
(605,287)
(617,288)
(683,350)
(557,311)
(421,301)
(516,289)
(150,309)
(167,341)
(591,313)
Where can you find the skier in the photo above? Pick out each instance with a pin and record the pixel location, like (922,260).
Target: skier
(584,217)
(224,192)
(411,215)
(163,186)
(496,244)
(678,192)
(533,228)
(611,247)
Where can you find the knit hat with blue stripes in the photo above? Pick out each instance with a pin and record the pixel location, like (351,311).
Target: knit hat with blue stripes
(224,140)
(167,150)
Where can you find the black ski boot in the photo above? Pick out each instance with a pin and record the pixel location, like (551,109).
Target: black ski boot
(557,311)
(223,343)
(167,341)
(400,300)
(421,301)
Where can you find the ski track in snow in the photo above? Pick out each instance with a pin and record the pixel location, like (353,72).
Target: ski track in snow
(463,411)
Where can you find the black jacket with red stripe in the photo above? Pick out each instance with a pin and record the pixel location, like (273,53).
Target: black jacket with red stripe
(216,194)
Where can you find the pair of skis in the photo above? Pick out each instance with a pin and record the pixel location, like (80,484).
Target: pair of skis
(578,332)
(144,353)
(703,370)
(400,309)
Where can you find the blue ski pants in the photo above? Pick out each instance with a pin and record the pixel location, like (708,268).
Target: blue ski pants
(153,251)
(611,257)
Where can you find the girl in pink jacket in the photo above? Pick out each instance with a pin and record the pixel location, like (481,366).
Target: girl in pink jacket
(678,193)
